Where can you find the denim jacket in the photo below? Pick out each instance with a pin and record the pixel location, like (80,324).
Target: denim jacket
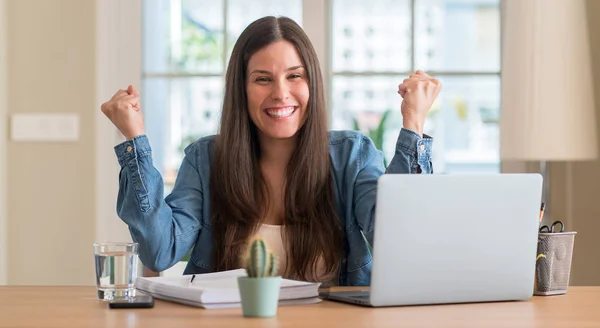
(167,228)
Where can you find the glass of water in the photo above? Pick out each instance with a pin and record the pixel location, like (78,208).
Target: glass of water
(116,269)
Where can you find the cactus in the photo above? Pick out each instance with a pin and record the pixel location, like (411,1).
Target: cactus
(261,262)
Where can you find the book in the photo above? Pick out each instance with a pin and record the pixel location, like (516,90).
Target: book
(220,289)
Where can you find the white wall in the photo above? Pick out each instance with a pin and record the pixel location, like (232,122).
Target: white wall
(118,64)
(62,56)
(51,217)
(3,136)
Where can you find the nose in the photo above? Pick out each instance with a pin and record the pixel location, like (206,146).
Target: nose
(281,90)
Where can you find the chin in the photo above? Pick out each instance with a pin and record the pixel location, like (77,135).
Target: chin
(281,134)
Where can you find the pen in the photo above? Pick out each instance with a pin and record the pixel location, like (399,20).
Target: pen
(192,280)
(542,211)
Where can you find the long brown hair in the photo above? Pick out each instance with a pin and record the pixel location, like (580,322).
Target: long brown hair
(239,195)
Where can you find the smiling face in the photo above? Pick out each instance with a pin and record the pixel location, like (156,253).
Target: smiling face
(277,91)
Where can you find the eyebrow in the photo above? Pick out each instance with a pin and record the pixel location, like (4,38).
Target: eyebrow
(267,72)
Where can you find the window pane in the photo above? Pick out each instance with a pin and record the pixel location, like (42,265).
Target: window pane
(457,35)
(183,36)
(371,35)
(177,112)
(463,120)
(240,13)
(362,98)
(359,103)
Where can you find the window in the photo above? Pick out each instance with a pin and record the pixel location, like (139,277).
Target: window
(374,46)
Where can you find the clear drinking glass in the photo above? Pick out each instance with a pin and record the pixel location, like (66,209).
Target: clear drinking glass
(116,269)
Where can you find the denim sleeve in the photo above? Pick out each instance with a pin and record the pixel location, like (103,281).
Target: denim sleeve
(412,155)
(165,229)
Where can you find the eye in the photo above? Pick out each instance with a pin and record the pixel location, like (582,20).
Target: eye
(295,76)
(262,79)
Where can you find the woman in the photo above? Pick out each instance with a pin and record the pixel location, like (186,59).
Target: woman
(273,170)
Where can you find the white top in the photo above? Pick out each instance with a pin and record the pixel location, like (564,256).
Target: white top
(272,234)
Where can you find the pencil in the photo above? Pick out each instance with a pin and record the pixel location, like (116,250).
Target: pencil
(542,211)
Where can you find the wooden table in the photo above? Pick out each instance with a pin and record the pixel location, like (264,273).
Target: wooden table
(77,307)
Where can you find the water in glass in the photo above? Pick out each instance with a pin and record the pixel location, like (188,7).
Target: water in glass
(115,274)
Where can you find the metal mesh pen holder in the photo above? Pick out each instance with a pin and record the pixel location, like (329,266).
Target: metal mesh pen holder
(553,264)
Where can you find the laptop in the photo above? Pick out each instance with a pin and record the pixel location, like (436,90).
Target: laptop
(443,239)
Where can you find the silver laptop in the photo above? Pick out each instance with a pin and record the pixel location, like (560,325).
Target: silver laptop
(452,239)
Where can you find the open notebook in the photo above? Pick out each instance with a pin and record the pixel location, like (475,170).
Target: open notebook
(220,289)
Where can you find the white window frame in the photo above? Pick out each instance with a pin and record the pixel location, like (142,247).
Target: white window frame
(3,144)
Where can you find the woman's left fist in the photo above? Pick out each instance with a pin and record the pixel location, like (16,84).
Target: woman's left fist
(418,94)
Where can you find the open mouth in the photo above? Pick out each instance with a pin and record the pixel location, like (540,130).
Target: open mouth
(281,112)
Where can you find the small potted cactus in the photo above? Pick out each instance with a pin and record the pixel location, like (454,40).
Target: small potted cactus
(259,291)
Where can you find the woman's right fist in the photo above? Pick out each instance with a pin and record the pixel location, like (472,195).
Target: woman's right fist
(124,111)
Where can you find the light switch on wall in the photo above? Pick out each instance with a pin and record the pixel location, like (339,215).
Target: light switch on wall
(44,127)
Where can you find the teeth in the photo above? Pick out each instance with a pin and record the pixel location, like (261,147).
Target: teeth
(281,113)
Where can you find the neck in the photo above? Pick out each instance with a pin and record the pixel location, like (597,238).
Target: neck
(276,152)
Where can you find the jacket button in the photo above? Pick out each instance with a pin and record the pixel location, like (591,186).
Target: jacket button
(129,149)
(422,147)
